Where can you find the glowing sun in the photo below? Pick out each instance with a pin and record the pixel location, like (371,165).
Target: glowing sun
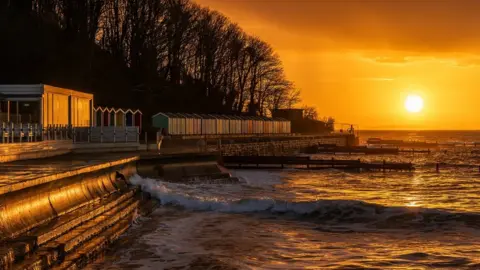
(414,103)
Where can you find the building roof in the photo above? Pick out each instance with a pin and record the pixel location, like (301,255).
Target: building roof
(21,89)
(219,117)
(37,90)
(116,110)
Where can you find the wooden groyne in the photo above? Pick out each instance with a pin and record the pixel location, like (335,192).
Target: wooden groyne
(335,149)
(419,144)
(402,143)
(280,162)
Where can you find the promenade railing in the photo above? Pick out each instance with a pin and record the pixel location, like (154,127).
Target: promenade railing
(21,133)
(106,135)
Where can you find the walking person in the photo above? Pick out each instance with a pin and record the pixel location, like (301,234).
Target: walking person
(159,139)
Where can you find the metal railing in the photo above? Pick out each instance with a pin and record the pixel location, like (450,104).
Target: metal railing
(346,128)
(20,133)
(106,135)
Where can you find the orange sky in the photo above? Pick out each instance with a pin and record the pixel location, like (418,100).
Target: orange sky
(356,60)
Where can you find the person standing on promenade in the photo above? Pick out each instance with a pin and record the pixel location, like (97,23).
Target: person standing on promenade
(159,139)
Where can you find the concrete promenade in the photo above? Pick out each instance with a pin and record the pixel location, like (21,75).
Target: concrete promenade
(32,150)
(42,162)
(27,173)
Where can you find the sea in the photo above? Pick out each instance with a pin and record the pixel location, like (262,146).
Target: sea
(328,219)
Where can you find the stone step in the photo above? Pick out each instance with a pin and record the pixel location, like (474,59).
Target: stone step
(67,242)
(65,223)
(56,250)
(19,247)
(42,259)
(33,207)
(91,249)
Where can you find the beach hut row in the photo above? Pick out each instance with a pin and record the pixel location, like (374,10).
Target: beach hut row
(209,124)
(111,117)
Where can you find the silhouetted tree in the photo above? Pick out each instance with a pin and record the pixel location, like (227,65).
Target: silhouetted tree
(169,55)
(310,113)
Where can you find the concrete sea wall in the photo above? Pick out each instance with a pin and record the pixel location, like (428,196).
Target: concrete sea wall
(185,168)
(279,147)
(249,145)
(69,218)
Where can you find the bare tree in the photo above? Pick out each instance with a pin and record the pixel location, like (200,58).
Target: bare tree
(174,49)
(310,112)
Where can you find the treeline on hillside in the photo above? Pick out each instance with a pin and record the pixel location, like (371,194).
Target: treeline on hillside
(156,55)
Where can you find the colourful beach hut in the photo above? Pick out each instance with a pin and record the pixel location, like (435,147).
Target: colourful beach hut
(98,119)
(225,121)
(161,121)
(137,119)
(106,118)
(129,119)
(173,123)
(119,118)
(111,118)
(210,125)
(236,125)
(197,123)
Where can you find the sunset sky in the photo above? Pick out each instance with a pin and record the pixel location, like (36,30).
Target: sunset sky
(357,60)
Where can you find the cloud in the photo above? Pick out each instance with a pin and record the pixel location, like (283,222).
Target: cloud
(373,79)
(467,62)
(405,25)
(396,127)
(390,60)
(464,60)
(395,57)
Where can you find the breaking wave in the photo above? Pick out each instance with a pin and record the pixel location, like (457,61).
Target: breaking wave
(332,213)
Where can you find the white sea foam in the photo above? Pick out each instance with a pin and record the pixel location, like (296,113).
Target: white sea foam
(258,178)
(337,211)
